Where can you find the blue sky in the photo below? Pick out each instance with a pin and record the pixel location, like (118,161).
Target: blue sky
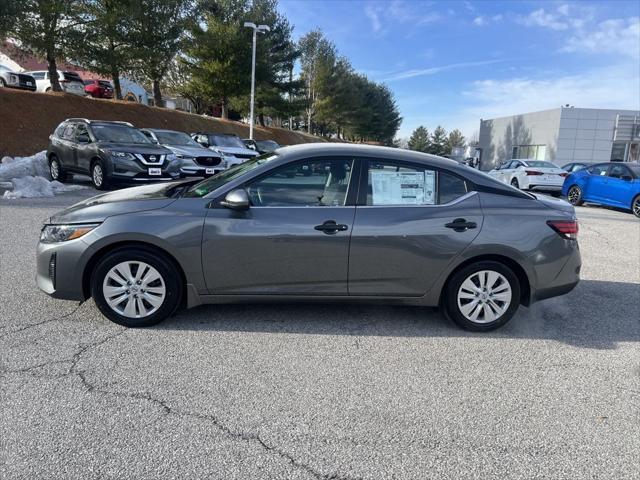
(451,63)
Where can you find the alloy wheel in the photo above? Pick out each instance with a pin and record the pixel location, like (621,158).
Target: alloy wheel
(97,175)
(636,207)
(134,289)
(574,195)
(55,170)
(484,296)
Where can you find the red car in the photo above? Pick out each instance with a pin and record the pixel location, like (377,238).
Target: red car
(98,88)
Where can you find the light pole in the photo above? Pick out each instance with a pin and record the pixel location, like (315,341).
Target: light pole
(256,29)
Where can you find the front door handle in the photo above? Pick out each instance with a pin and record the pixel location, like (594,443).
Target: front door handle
(330,227)
(460,225)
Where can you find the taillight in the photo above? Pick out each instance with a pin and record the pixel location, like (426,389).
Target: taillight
(564,174)
(565,229)
(533,172)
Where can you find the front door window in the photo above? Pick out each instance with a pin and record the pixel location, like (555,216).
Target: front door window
(311,183)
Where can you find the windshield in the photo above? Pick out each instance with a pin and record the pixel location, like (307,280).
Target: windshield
(539,164)
(119,134)
(213,183)
(226,141)
(176,138)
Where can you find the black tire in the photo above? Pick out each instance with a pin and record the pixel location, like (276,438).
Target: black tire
(169,273)
(56,171)
(99,179)
(514,183)
(635,206)
(574,195)
(451,304)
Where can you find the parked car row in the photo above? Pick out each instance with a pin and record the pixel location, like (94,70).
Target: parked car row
(40,81)
(116,152)
(612,184)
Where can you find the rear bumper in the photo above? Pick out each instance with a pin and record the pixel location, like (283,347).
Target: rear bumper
(545,188)
(565,281)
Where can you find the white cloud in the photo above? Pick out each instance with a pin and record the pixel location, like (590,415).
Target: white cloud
(617,86)
(421,72)
(564,17)
(374,18)
(621,36)
(482,20)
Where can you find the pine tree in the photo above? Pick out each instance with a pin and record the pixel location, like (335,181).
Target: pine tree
(456,139)
(420,140)
(438,142)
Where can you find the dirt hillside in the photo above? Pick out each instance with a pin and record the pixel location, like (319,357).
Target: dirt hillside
(27,119)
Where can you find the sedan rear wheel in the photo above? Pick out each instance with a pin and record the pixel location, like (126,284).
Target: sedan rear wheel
(135,287)
(514,183)
(482,296)
(635,206)
(574,196)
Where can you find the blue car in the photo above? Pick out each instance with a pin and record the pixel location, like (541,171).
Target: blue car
(613,184)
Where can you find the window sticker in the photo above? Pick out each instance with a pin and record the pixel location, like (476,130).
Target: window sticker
(403,188)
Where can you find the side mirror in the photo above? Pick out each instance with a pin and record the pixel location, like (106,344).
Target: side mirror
(237,199)
(84,138)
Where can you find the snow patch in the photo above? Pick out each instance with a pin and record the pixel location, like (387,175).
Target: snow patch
(32,187)
(29,177)
(33,166)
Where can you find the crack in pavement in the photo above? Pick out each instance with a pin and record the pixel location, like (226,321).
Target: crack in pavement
(37,324)
(168,410)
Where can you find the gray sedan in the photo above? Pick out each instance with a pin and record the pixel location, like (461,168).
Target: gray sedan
(367,224)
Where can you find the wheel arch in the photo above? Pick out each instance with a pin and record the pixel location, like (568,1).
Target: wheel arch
(107,249)
(518,270)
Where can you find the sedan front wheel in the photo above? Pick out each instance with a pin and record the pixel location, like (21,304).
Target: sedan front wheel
(135,287)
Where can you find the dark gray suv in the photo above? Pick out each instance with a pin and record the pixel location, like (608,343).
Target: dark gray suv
(109,152)
(367,224)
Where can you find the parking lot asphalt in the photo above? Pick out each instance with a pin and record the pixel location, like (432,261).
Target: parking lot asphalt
(322,391)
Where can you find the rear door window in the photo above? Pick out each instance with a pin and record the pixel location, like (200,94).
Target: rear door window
(618,171)
(397,184)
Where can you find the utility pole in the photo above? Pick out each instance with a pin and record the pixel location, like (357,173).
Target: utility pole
(256,29)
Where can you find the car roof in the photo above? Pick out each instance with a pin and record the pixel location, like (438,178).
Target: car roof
(159,130)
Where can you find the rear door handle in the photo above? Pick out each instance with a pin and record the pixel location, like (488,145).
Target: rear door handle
(330,227)
(460,225)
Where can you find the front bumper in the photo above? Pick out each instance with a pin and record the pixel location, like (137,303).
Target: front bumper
(131,171)
(59,268)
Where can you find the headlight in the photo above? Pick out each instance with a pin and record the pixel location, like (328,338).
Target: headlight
(126,155)
(62,233)
(171,157)
(13,79)
(185,157)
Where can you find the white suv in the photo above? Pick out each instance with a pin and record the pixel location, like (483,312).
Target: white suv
(69,81)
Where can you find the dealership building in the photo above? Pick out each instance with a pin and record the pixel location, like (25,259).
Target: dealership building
(561,135)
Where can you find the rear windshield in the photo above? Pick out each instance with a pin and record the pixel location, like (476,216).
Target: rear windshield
(119,134)
(176,138)
(267,144)
(71,76)
(212,183)
(540,164)
(226,141)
